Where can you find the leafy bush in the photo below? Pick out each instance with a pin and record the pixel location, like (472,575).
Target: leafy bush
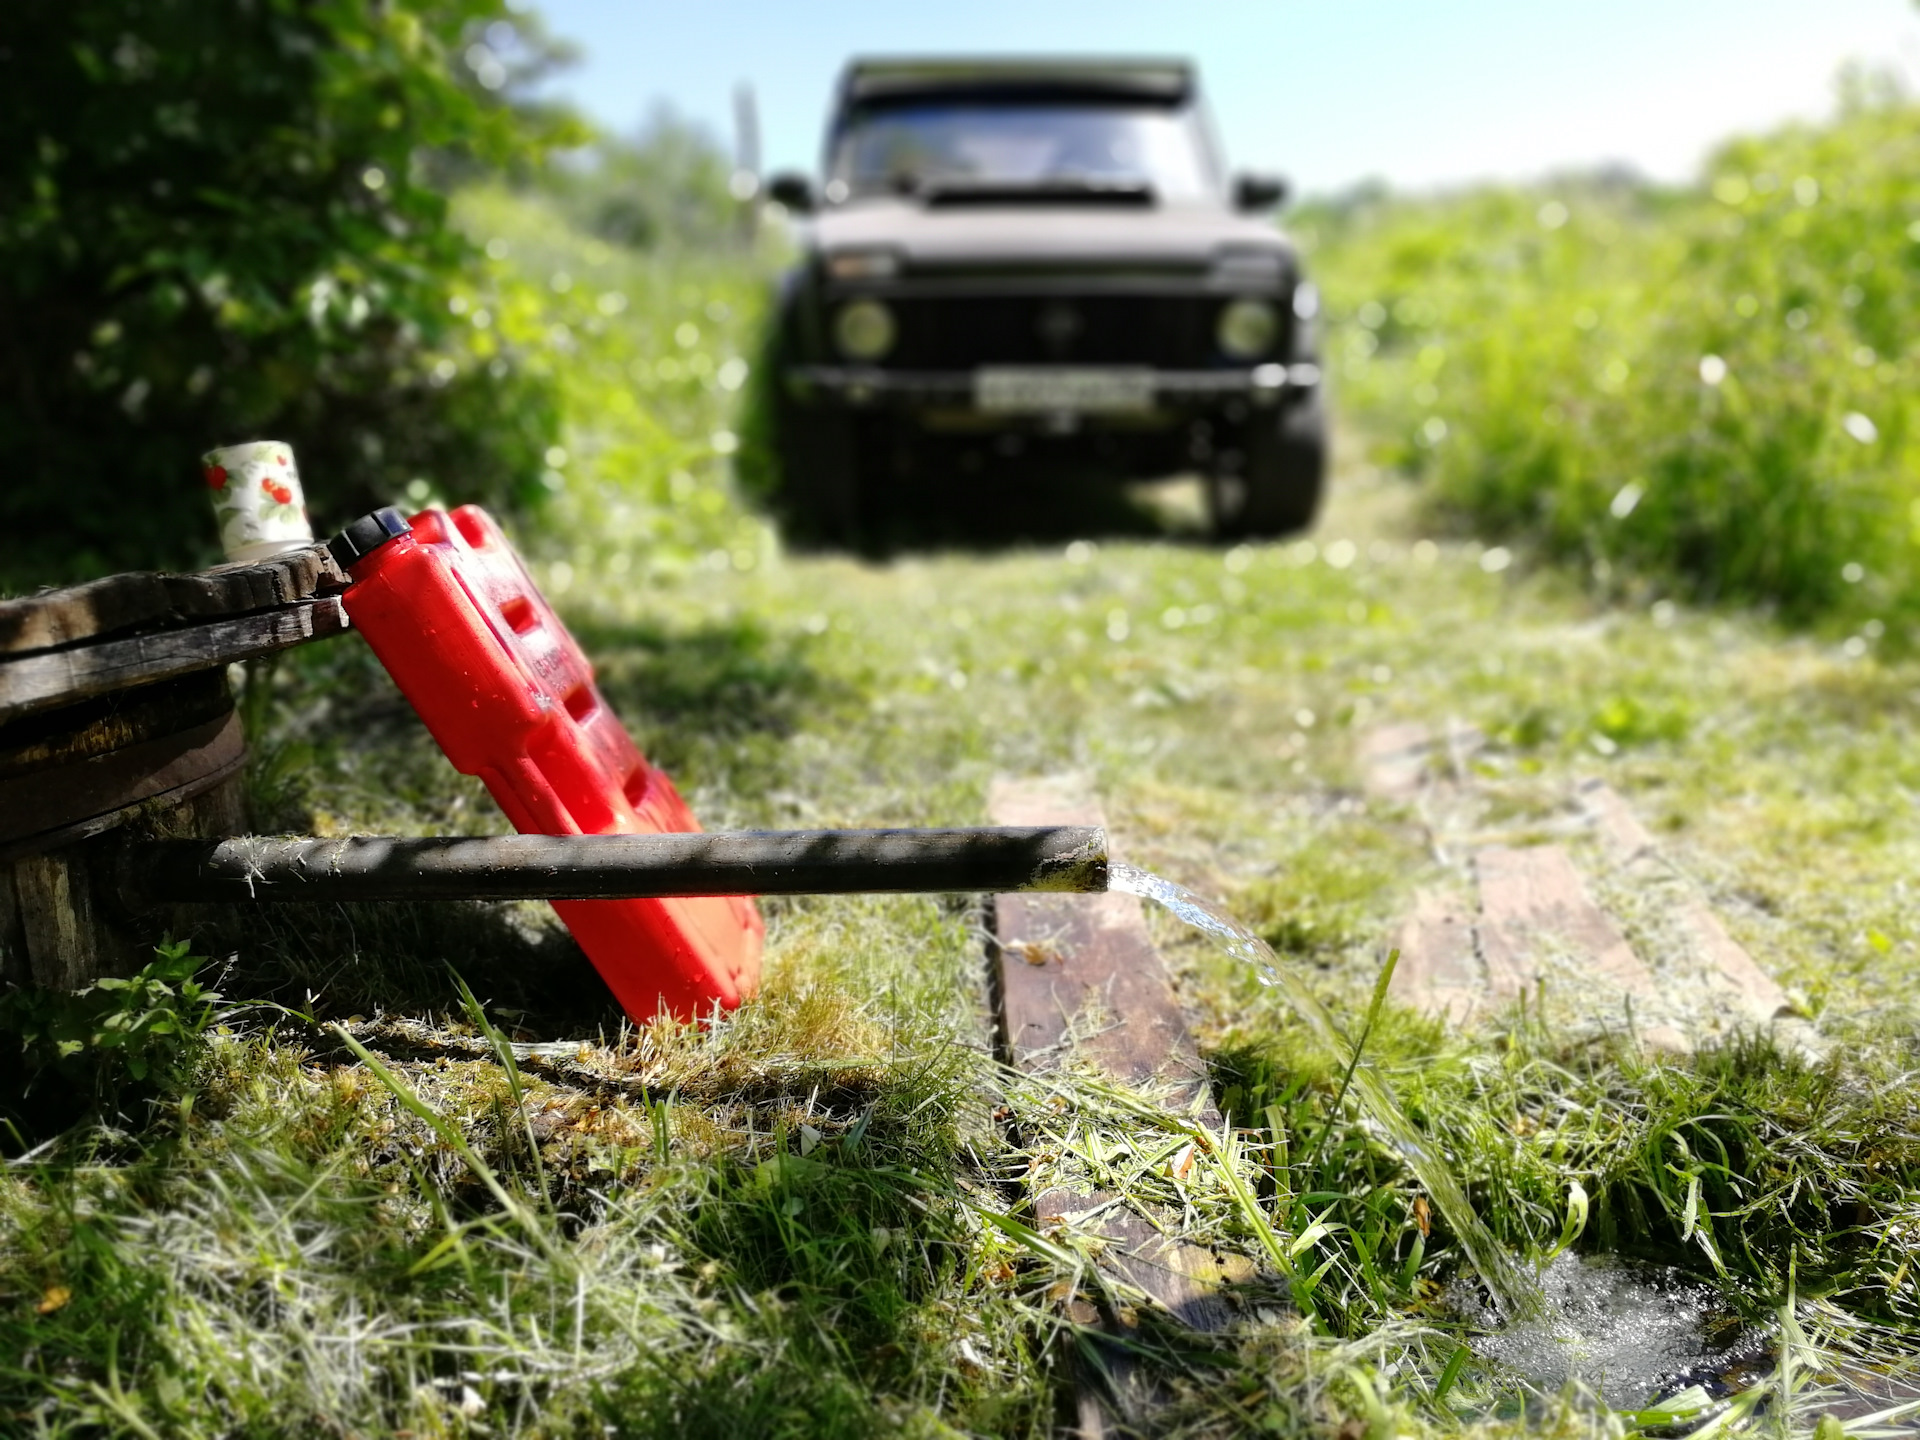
(145,1028)
(1715,387)
(219,219)
(647,353)
(667,186)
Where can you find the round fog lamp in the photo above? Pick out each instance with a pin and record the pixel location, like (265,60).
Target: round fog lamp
(864,330)
(1247,328)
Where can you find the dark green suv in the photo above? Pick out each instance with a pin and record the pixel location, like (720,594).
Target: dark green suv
(1011,262)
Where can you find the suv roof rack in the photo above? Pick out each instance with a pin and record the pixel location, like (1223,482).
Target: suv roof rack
(1161,81)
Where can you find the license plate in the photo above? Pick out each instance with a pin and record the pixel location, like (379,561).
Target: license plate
(1055,390)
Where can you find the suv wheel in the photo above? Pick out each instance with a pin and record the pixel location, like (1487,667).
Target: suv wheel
(1277,491)
(820,463)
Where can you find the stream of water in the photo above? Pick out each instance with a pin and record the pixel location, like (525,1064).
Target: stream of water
(1516,1294)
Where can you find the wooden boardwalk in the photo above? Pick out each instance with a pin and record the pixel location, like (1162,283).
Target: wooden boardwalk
(1603,926)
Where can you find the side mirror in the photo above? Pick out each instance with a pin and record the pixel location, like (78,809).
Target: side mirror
(1253,194)
(792,190)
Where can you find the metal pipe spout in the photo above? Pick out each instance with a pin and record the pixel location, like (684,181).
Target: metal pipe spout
(250,869)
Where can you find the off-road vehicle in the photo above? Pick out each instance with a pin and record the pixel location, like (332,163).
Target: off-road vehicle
(1020,260)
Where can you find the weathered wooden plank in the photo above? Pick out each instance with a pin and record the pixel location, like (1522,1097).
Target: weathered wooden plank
(1183,1278)
(148,599)
(1623,839)
(15,969)
(1534,907)
(43,681)
(1079,976)
(79,612)
(1081,971)
(114,707)
(61,921)
(1393,759)
(1439,973)
(106,723)
(67,940)
(238,589)
(1427,768)
(42,809)
(1756,997)
(1532,900)
(1463,742)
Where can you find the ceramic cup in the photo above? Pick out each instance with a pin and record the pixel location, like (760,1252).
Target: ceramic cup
(257,499)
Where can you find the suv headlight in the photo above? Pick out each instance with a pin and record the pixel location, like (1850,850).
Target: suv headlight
(864,330)
(1247,328)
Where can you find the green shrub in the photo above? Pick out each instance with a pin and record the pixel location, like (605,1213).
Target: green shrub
(648,353)
(665,187)
(146,1028)
(1714,387)
(221,219)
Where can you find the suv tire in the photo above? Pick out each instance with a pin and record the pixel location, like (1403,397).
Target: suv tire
(1278,491)
(819,455)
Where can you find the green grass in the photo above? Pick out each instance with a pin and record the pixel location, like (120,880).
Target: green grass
(1706,391)
(356,1213)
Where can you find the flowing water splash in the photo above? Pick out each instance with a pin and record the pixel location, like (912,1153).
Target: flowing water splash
(1628,1333)
(1515,1292)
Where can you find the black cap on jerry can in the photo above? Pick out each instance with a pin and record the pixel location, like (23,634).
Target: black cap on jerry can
(366,535)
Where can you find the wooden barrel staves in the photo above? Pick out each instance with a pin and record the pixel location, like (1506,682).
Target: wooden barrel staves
(116,716)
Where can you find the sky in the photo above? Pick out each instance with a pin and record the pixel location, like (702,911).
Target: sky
(1420,93)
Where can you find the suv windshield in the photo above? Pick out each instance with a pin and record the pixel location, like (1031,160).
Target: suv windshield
(921,145)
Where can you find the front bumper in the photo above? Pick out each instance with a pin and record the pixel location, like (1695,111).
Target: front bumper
(858,386)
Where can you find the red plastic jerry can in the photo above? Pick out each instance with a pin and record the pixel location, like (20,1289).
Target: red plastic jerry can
(505,690)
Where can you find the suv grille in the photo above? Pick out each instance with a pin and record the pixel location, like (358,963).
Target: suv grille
(960,332)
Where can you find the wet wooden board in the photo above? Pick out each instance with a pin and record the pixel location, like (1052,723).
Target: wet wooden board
(150,600)
(1077,975)
(1079,972)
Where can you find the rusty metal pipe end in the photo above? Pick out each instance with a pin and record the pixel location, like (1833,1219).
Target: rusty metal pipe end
(1081,870)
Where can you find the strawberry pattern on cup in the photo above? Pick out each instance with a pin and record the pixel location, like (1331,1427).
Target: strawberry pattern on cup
(257,499)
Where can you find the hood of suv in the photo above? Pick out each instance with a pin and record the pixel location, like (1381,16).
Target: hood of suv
(986,236)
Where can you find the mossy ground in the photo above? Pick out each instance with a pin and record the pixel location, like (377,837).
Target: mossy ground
(793,1222)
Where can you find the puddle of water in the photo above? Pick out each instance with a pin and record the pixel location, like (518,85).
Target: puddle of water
(1640,1337)
(1514,1291)
(1629,1334)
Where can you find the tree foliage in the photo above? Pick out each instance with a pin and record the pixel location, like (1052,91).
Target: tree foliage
(219,220)
(666,185)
